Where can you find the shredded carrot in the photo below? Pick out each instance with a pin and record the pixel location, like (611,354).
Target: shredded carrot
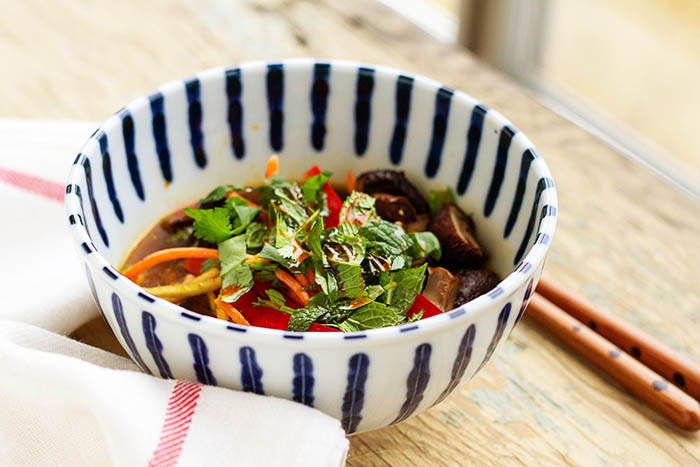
(310,275)
(301,278)
(300,295)
(272,166)
(232,312)
(350,181)
(169,254)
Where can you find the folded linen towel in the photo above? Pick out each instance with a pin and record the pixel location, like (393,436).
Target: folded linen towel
(66,403)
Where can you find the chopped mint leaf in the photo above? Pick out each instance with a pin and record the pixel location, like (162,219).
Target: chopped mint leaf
(212,225)
(409,283)
(302,318)
(437,199)
(373,315)
(312,185)
(416,316)
(374,291)
(424,244)
(350,280)
(386,237)
(275,297)
(235,271)
(327,282)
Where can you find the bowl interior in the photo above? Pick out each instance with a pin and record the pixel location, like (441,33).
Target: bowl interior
(174,145)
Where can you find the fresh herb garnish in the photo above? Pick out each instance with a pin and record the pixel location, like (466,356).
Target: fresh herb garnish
(438,198)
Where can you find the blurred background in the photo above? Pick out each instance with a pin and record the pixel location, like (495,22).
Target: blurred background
(625,70)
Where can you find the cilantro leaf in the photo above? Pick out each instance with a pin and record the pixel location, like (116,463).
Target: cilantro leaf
(234,267)
(312,185)
(217,194)
(255,235)
(244,216)
(212,225)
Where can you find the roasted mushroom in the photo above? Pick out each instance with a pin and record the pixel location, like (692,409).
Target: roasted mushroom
(391,182)
(394,208)
(419,225)
(441,288)
(176,221)
(455,230)
(473,282)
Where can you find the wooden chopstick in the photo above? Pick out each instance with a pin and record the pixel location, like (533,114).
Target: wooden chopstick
(641,381)
(656,355)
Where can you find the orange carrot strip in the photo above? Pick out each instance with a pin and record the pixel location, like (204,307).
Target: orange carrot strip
(272,166)
(168,254)
(350,181)
(310,275)
(294,286)
(232,312)
(301,278)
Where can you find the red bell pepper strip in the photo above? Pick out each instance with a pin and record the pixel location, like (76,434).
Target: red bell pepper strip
(193,265)
(333,201)
(424,304)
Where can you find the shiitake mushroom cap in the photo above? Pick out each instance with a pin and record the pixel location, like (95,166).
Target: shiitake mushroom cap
(473,283)
(392,182)
(455,230)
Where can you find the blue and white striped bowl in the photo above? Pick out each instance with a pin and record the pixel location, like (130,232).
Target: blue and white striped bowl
(168,148)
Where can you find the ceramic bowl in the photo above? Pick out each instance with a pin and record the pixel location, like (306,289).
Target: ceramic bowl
(220,126)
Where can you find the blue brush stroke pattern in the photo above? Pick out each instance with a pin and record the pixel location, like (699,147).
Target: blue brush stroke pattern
(443,98)
(107,171)
(124,330)
(79,194)
(160,135)
(319,104)
(251,373)
(201,360)
(416,383)
(93,204)
(303,381)
(363,108)
(500,328)
(194,114)
(499,170)
(132,161)
(234,88)
(526,297)
(275,104)
(473,141)
(464,356)
(404,88)
(528,156)
(354,397)
(153,344)
(542,185)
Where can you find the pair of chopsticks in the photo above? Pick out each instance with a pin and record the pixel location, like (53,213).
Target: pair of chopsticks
(633,358)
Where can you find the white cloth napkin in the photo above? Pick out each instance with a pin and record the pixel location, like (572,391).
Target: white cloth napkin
(66,403)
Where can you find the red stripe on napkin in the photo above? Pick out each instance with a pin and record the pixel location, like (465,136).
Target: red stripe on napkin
(37,185)
(178,415)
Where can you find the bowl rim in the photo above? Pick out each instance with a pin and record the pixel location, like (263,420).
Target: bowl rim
(467,312)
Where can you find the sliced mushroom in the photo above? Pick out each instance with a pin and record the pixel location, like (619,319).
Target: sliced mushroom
(394,183)
(455,230)
(473,283)
(394,208)
(441,288)
(419,225)
(176,221)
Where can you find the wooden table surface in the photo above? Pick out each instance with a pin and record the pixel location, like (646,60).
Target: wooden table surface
(625,239)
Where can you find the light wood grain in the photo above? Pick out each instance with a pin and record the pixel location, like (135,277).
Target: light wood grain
(626,240)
